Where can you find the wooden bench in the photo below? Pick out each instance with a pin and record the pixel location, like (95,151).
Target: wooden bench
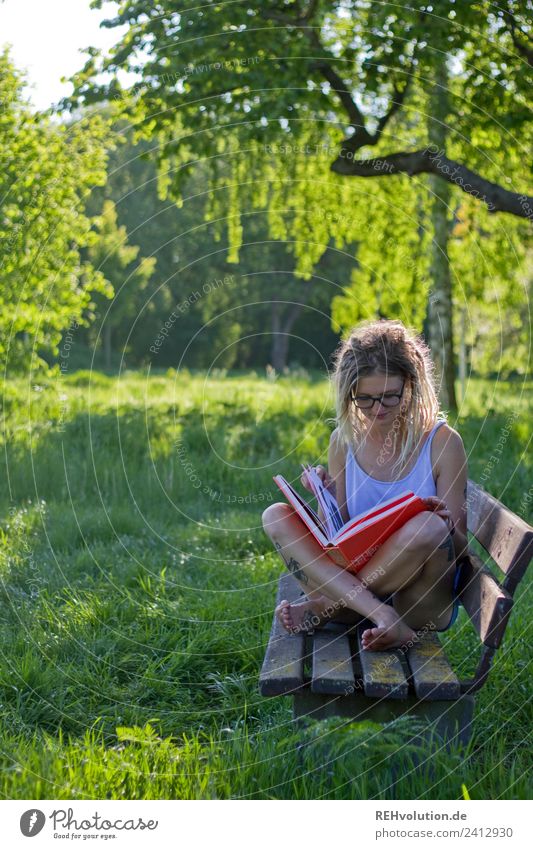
(328,675)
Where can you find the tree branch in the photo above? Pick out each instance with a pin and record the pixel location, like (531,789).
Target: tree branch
(356,117)
(361,135)
(427,161)
(513,27)
(313,6)
(433,161)
(398,98)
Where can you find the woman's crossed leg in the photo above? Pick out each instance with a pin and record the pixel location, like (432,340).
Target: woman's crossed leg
(415,565)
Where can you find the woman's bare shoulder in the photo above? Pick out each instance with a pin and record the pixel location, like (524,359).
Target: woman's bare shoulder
(447,438)
(449,448)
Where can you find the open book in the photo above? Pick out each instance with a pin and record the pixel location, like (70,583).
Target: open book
(358,539)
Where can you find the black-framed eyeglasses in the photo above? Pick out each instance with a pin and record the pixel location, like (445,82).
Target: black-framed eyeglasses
(366,402)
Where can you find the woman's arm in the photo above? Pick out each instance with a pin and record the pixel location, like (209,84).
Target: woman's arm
(333,476)
(336,464)
(451,481)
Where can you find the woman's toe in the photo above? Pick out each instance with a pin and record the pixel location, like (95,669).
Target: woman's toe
(282,606)
(284,614)
(371,637)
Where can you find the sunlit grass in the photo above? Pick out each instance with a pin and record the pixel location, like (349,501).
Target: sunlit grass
(138,587)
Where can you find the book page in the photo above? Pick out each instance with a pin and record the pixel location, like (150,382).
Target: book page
(327,501)
(302,506)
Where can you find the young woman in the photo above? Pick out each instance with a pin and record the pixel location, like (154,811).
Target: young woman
(389,438)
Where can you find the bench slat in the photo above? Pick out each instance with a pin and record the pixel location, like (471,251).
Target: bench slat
(433,677)
(503,534)
(283,666)
(486,602)
(332,664)
(383,674)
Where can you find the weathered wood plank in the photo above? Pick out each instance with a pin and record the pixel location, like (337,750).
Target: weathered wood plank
(433,677)
(383,674)
(283,665)
(332,663)
(504,535)
(451,721)
(485,601)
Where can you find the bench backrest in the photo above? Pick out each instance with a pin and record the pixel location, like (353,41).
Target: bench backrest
(508,540)
(503,534)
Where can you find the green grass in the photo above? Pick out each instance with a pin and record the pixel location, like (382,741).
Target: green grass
(137,593)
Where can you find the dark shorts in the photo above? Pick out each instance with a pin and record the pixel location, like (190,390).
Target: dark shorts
(456,585)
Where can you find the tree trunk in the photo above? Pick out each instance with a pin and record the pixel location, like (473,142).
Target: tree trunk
(462,355)
(107,344)
(281,331)
(440,319)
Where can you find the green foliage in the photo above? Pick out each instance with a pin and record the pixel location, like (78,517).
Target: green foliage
(221,312)
(46,172)
(492,287)
(398,285)
(110,254)
(243,92)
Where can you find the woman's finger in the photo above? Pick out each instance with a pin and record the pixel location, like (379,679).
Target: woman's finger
(434,501)
(305,483)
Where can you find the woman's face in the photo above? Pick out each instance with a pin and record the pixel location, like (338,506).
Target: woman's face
(379,385)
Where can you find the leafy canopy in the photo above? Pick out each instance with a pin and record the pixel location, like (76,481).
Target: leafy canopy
(46,170)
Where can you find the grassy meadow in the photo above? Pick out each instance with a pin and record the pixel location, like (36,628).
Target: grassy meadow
(138,587)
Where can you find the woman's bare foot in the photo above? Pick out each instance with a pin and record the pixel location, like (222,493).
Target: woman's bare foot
(304,615)
(390,632)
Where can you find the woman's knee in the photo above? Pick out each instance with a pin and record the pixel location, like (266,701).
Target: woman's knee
(426,530)
(275,517)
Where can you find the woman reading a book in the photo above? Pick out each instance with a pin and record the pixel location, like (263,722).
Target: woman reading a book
(389,438)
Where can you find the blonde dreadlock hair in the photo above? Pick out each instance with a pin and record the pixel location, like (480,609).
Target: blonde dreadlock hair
(387,347)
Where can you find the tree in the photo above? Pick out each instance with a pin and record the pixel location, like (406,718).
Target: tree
(46,171)
(282,86)
(110,253)
(374,53)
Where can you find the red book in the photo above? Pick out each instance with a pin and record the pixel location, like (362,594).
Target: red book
(359,538)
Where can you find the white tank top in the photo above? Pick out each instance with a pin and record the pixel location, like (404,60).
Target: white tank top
(364,491)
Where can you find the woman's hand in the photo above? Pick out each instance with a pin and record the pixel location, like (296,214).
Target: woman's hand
(438,506)
(324,476)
